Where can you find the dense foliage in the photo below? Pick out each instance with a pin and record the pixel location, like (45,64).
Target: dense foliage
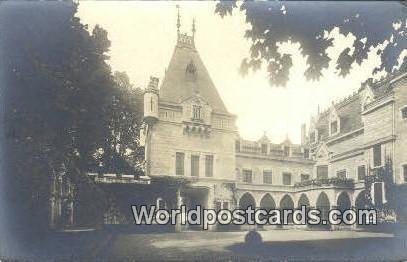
(63,108)
(308,23)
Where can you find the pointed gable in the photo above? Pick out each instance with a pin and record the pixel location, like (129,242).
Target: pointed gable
(187,76)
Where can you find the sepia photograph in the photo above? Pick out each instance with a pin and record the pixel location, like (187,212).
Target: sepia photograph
(203,130)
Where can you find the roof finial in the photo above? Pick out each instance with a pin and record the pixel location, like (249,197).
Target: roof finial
(193,27)
(178,19)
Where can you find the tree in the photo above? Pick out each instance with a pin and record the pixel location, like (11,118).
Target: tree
(308,22)
(58,108)
(122,152)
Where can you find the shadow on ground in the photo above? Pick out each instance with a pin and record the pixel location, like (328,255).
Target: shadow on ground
(377,249)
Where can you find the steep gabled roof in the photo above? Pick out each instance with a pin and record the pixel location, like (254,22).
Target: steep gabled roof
(186,76)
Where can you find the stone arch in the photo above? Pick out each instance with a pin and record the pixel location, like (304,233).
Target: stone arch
(247,200)
(267,202)
(343,202)
(303,201)
(286,202)
(362,201)
(323,205)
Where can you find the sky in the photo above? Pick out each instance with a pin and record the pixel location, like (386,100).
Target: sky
(143,37)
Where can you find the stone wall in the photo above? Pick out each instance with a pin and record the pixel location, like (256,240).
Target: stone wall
(400,147)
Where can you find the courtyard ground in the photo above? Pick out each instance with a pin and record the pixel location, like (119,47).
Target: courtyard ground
(277,245)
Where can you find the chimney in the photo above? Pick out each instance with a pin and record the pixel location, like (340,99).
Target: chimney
(153,83)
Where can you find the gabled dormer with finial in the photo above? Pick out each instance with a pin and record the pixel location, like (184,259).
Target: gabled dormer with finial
(264,143)
(334,121)
(367,95)
(286,146)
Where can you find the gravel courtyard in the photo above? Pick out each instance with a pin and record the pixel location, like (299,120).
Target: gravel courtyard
(277,245)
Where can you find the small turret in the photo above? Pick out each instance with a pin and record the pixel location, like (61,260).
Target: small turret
(151,101)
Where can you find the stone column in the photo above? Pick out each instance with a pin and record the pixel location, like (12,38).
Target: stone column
(70,208)
(210,204)
(179,203)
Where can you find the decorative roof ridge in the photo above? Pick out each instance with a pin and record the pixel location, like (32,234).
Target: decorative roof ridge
(340,103)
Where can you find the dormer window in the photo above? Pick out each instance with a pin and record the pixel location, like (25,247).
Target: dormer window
(191,68)
(334,127)
(190,71)
(196,112)
(334,124)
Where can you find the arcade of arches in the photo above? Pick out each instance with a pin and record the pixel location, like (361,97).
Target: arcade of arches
(323,200)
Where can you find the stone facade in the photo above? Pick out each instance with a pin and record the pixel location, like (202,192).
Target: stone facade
(190,135)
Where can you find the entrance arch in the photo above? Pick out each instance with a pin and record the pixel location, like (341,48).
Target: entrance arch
(343,202)
(247,200)
(323,205)
(303,201)
(362,201)
(285,204)
(267,202)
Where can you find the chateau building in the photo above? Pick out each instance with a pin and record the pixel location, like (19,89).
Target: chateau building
(350,156)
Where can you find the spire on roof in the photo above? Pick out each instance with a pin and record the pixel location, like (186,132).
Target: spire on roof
(178,20)
(264,138)
(183,39)
(193,28)
(287,139)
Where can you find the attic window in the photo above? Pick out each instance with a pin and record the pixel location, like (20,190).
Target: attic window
(334,127)
(191,68)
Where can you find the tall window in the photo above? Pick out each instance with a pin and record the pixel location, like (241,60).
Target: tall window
(286,178)
(405,172)
(194,165)
(377,155)
(334,127)
(341,174)
(322,172)
(361,172)
(179,164)
(208,165)
(304,177)
(196,112)
(247,176)
(267,177)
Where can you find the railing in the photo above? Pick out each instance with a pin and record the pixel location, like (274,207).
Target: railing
(119,179)
(335,181)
